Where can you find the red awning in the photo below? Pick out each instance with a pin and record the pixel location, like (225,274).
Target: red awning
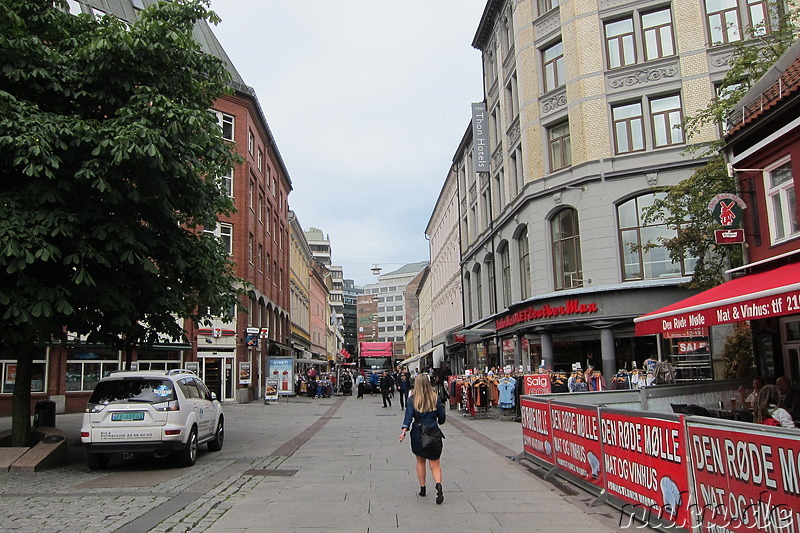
(766,294)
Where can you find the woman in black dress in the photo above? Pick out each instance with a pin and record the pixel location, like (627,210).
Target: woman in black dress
(424,408)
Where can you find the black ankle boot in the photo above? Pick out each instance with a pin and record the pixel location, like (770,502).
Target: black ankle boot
(422,491)
(439,495)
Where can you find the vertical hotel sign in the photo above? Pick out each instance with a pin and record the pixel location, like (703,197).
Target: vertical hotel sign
(480,138)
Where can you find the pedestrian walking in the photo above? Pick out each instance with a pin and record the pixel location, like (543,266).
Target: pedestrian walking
(387,386)
(403,385)
(425,409)
(360,386)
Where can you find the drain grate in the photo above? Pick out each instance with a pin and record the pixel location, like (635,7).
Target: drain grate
(268,472)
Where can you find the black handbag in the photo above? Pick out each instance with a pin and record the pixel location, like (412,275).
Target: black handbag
(431,439)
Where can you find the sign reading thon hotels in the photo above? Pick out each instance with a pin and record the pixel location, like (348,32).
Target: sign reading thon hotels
(480,138)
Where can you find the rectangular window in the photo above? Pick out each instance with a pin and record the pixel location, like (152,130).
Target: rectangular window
(74,7)
(723,21)
(224,232)
(657,29)
(516,168)
(553,59)
(260,160)
(781,202)
(225,122)
(547,5)
(628,128)
(505,266)
(560,147)
(667,118)
(251,142)
(8,374)
(250,243)
(260,257)
(512,103)
(261,207)
(620,44)
(227,183)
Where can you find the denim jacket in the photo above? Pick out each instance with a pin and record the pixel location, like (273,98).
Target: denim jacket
(429,418)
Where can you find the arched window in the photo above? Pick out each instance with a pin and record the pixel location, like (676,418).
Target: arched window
(524,264)
(505,274)
(478,291)
(638,261)
(567,266)
(467,298)
(491,283)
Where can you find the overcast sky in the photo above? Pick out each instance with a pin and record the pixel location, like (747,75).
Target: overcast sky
(367,101)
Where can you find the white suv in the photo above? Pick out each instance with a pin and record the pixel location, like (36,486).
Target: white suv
(151,412)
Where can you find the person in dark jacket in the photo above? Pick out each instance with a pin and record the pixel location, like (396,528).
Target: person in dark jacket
(403,385)
(387,386)
(424,408)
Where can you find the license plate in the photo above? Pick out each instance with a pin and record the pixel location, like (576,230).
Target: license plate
(134,415)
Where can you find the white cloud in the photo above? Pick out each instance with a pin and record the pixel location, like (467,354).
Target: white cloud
(368,102)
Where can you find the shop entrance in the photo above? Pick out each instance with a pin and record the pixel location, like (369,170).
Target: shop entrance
(217,373)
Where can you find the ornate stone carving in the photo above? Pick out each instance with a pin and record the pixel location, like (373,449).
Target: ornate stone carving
(553,102)
(513,133)
(548,23)
(557,198)
(497,157)
(652,179)
(645,75)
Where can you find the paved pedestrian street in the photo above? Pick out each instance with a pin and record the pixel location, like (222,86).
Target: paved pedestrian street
(304,464)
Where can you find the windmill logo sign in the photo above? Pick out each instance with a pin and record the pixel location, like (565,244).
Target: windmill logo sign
(727,210)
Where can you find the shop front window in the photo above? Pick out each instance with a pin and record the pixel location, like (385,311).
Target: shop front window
(85,367)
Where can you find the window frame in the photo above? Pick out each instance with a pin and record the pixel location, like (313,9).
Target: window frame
(523,250)
(563,245)
(223,120)
(786,195)
(553,73)
(646,260)
(560,144)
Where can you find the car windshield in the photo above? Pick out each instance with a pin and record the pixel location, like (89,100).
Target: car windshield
(152,390)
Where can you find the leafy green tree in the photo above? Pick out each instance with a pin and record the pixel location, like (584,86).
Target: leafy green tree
(737,354)
(685,206)
(108,155)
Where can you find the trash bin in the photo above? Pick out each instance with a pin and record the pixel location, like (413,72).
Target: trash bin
(45,414)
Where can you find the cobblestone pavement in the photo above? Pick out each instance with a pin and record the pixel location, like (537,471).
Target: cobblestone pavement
(297,457)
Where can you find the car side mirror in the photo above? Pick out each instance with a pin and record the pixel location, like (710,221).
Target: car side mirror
(213,396)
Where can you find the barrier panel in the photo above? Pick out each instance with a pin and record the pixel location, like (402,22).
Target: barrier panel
(537,438)
(672,472)
(747,476)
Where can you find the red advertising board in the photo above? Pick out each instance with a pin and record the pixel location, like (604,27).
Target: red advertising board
(576,441)
(536,434)
(536,384)
(745,479)
(645,464)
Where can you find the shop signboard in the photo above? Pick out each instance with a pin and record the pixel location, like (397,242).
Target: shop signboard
(646,464)
(536,384)
(537,439)
(282,369)
(576,442)
(271,390)
(244,373)
(747,478)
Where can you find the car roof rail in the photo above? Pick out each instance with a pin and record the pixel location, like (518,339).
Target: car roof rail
(180,371)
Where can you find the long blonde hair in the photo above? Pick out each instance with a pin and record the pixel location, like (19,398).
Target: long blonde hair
(425,397)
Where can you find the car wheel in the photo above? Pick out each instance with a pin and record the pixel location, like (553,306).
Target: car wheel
(188,455)
(96,461)
(215,444)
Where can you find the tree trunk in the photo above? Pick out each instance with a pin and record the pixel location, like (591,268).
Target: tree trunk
(21,407)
